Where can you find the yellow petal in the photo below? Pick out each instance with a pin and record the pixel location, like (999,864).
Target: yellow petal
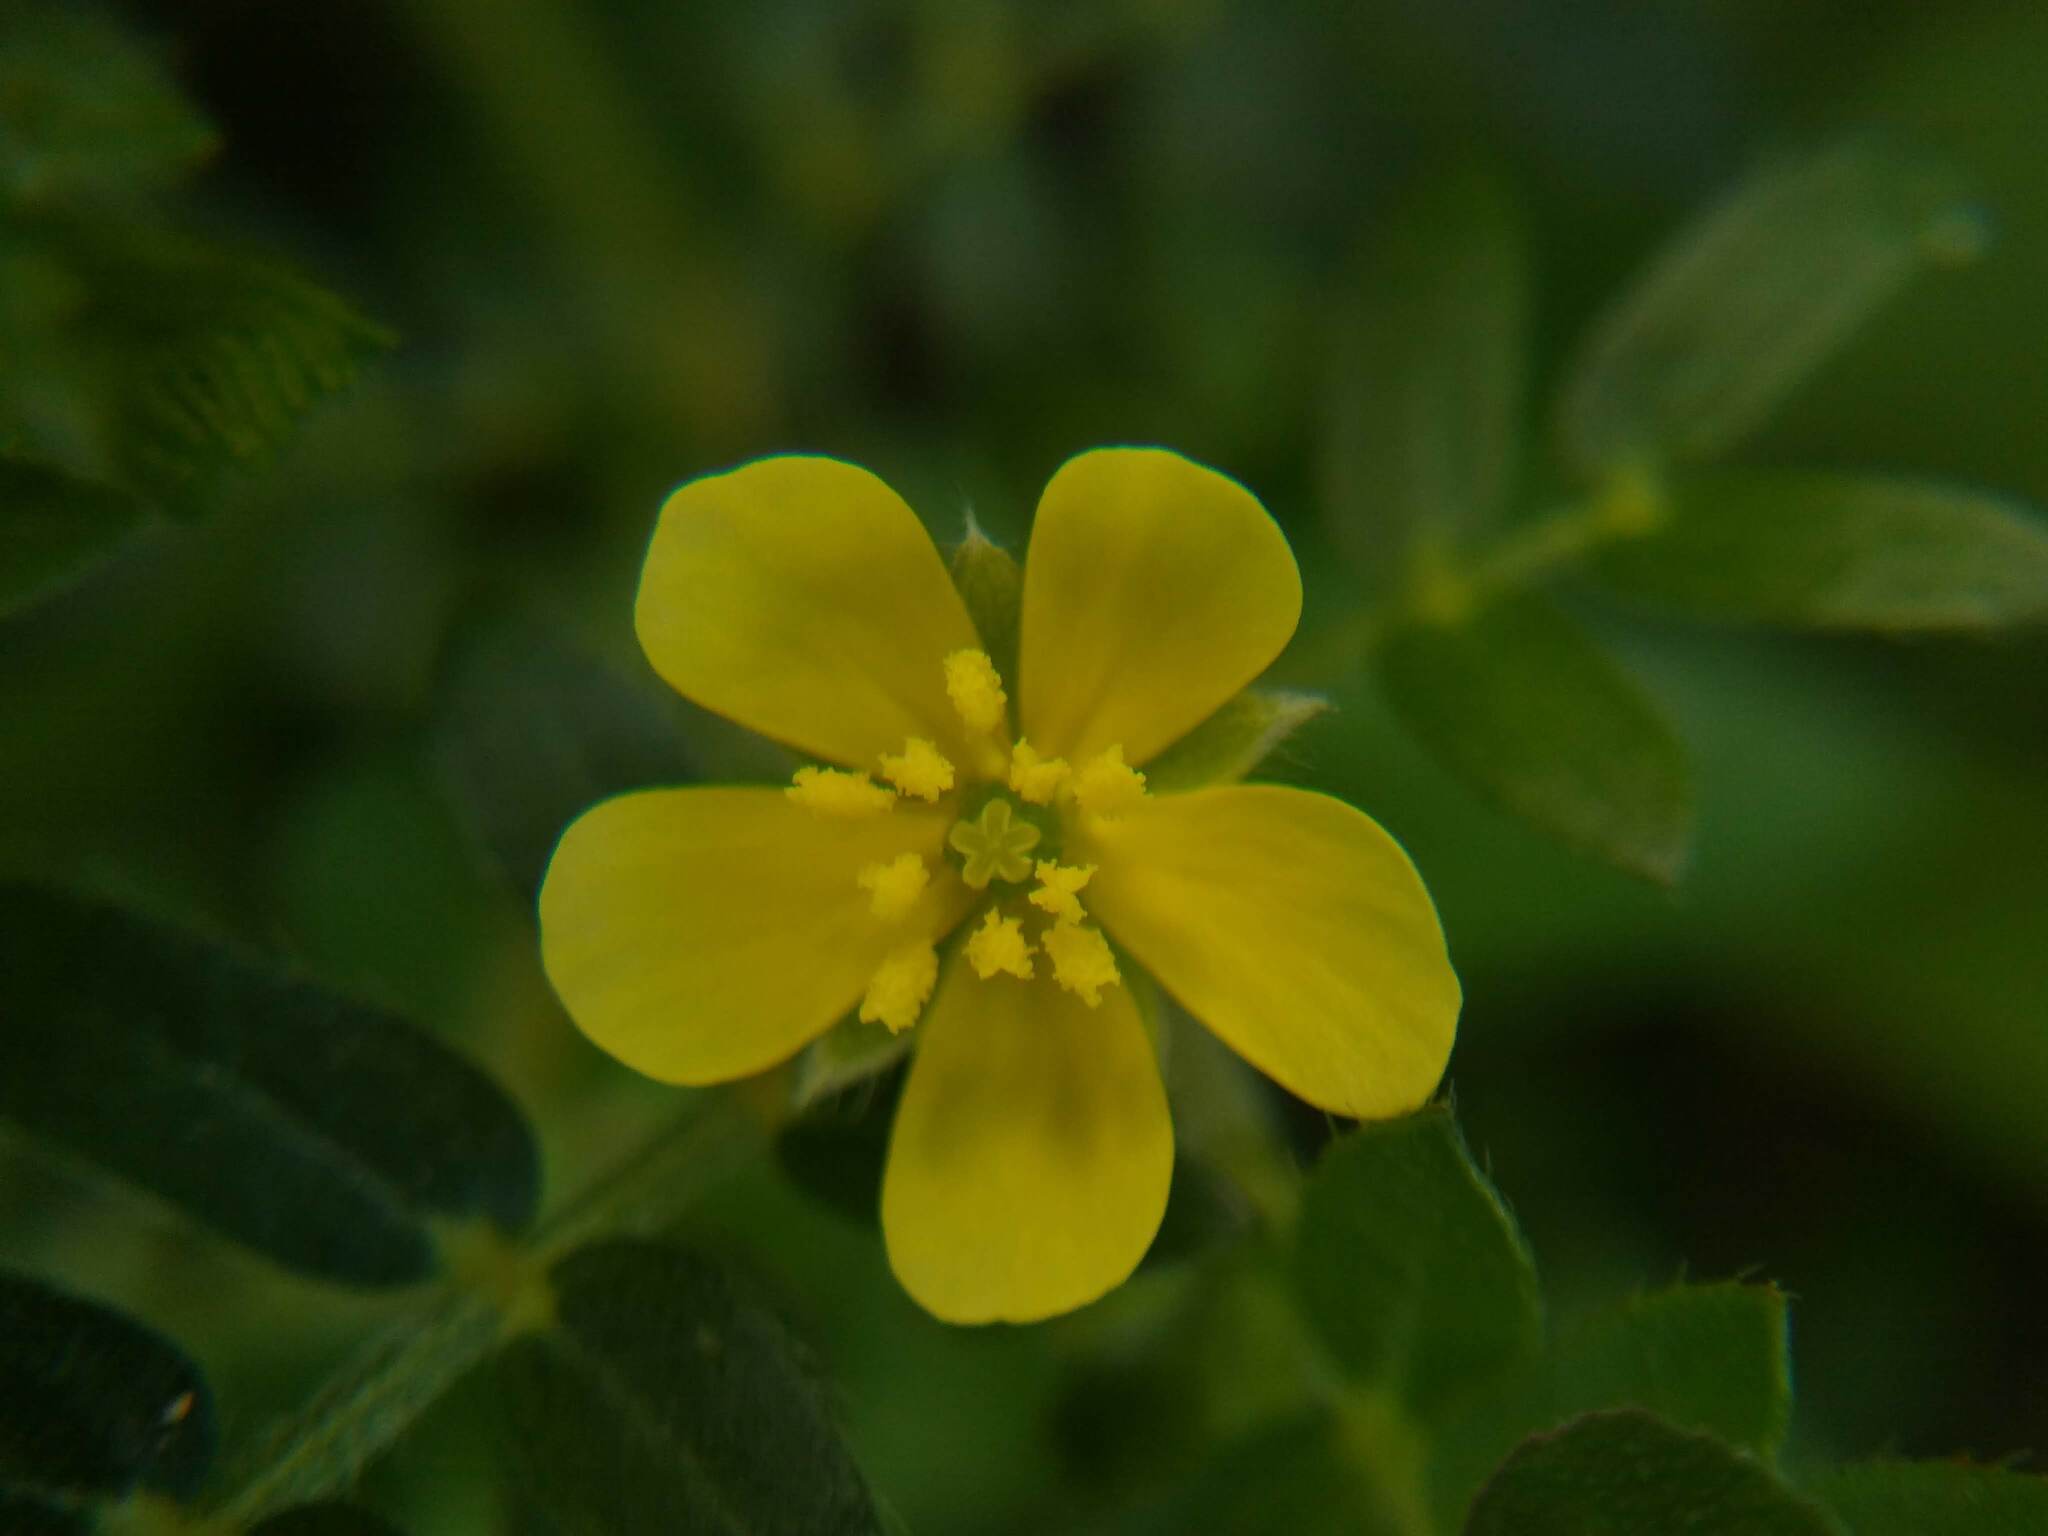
(1031,1155)
(1154,590)
(1296,929)
(701,935)
(802,598)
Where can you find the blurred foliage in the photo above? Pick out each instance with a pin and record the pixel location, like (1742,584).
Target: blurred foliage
(1504,312)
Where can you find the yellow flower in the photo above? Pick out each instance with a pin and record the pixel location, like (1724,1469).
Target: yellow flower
(967,846)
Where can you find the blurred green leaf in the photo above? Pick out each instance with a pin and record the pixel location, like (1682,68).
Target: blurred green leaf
(1712,1358)
(325,1134)
(529,732)
(1926,1498)
(1750,298)
(85,109)
(1234,741)
(1204,1209)
(92,1402)
(54,527)
(1628,1473)
(991,583)
(1833,551)
(1425,401)
(205,359)
(327,1518)
(22,1515)
(1410,1266)
(1522,705)
(668,1398)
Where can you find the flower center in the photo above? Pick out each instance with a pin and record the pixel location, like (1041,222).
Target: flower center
(1015,808)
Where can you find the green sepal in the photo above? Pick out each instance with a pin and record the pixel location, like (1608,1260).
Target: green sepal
(1234,741)
(992,586)
(846,1055)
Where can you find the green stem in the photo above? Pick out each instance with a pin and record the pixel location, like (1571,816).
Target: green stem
(403,1371)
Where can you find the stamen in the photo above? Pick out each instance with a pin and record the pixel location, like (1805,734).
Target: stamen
(1108,785)
(1036,778)
(999,945)
(900,987)
(1081,961)
(976,690)
(918,770)
(1058,889)
(995,847)
(893,888)
(835,792)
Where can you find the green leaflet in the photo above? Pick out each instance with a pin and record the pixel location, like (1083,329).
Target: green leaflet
(528,733)
(1921,1498)
(1833,551)
(85,112)
(1409,1264)
(1711,1358)
(1749,299)
(325,1134)
(1426,394)
(667,1397)
(54,527)
(92,1402)
(1516,699)
(1629,1473)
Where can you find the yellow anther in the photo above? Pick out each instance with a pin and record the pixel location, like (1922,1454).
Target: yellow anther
(835,792)
(996,846)
(1059,888)
(1108,785)
(893,888)
(976,690)
(999,945)
(901,985)
(1081,961)
(1036,778)
(918,770)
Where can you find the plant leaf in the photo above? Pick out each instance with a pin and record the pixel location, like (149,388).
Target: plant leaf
(92,1402)
(1427,394)
(669,1398)
(1831,551)
(1520,703)
(1916,1498)
(1750,298)
(1628,1473)
(1711,1358)
(1410,1266)
(323,1133)
(529,732)
(1294,1475)
(85,110)
(1234,741)
(54,527)
(207,359)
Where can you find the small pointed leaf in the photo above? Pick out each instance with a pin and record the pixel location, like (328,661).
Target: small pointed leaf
(1925,1498)
(1750,298)
(1519,702)
(667,1397)
(1629,1473)
(54,527)
(91,1402)
(1829,551)
(1426,401)
(1234,741)
(323,1133)
(1410,1266)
